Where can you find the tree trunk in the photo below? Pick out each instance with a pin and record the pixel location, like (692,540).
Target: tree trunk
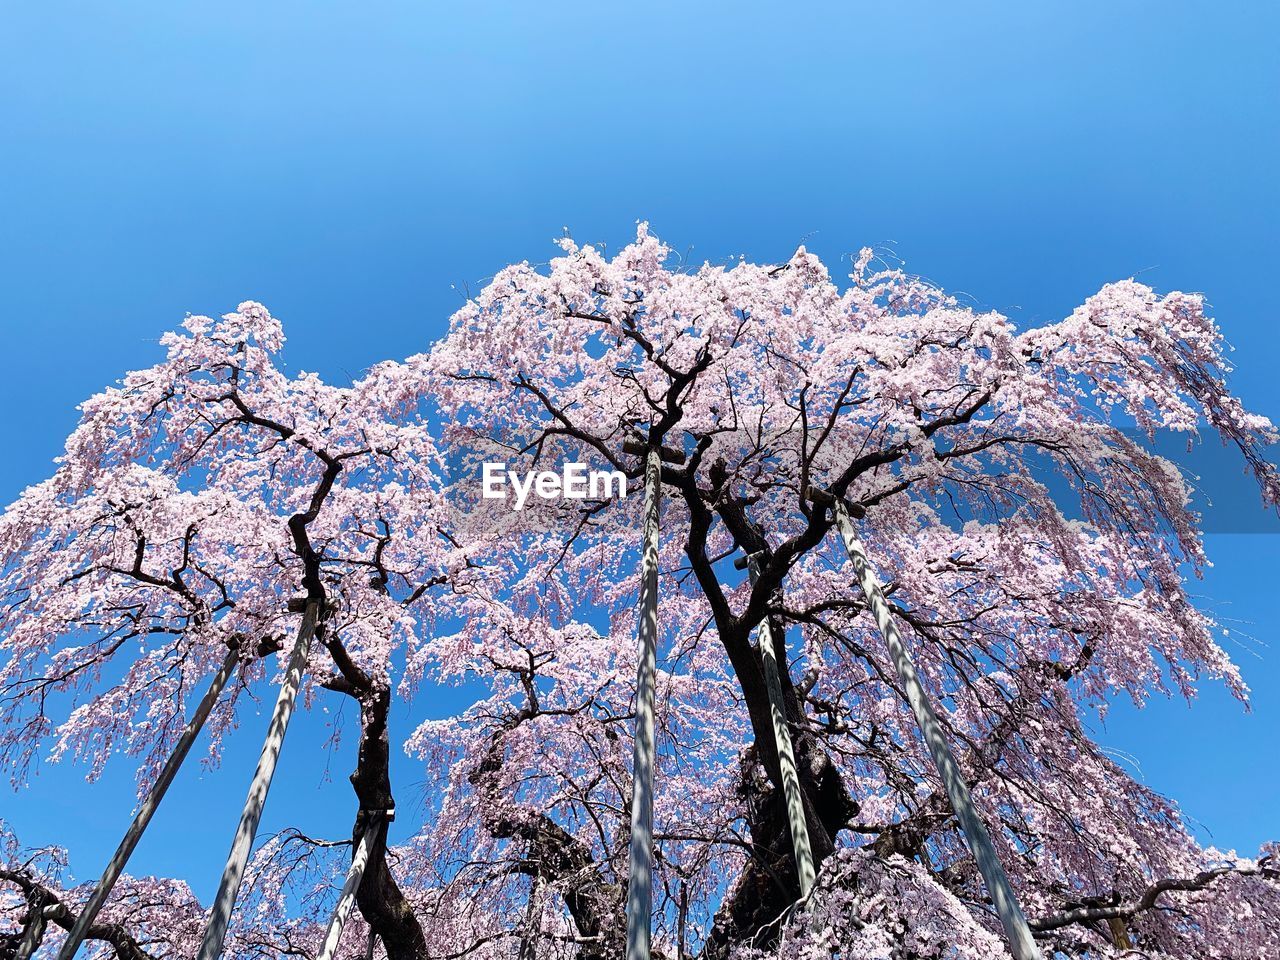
(382,903)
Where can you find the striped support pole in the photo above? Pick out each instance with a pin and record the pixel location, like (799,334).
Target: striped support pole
(215,930)
(149,806)
(640,872)
(786,752)
(975,833)
(347,899)
(532,922)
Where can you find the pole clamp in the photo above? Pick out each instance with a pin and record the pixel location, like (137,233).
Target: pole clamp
(640,446)
(366,818)
(824,498)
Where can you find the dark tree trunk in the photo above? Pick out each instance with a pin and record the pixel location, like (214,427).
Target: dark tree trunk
(381,901)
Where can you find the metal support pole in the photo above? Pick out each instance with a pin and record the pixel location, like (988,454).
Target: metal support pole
(532,922)
(149,806)
(975,833)
(347,899)
(786,753)
(640,872)
(215,930)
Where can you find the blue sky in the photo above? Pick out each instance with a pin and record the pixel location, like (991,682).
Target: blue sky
(355,166)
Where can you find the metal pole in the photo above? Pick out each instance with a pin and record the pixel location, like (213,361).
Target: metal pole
(975,832)
(640,872)
(532,922)
(215,930)
(786,753)
(347,899)
(149,806)
(682,921)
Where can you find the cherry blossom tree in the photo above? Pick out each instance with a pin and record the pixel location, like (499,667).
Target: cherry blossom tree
(1035,553)
(1036,556)
(198,506)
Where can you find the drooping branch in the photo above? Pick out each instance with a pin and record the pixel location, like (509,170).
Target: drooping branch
(552,855)
(1115,907)
(45,906)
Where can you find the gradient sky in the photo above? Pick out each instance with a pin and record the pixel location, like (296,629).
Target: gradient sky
(355,167)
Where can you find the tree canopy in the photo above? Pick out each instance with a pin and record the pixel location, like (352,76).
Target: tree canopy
(1036,555)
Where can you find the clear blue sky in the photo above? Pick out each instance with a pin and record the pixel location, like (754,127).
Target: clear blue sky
(349,164)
